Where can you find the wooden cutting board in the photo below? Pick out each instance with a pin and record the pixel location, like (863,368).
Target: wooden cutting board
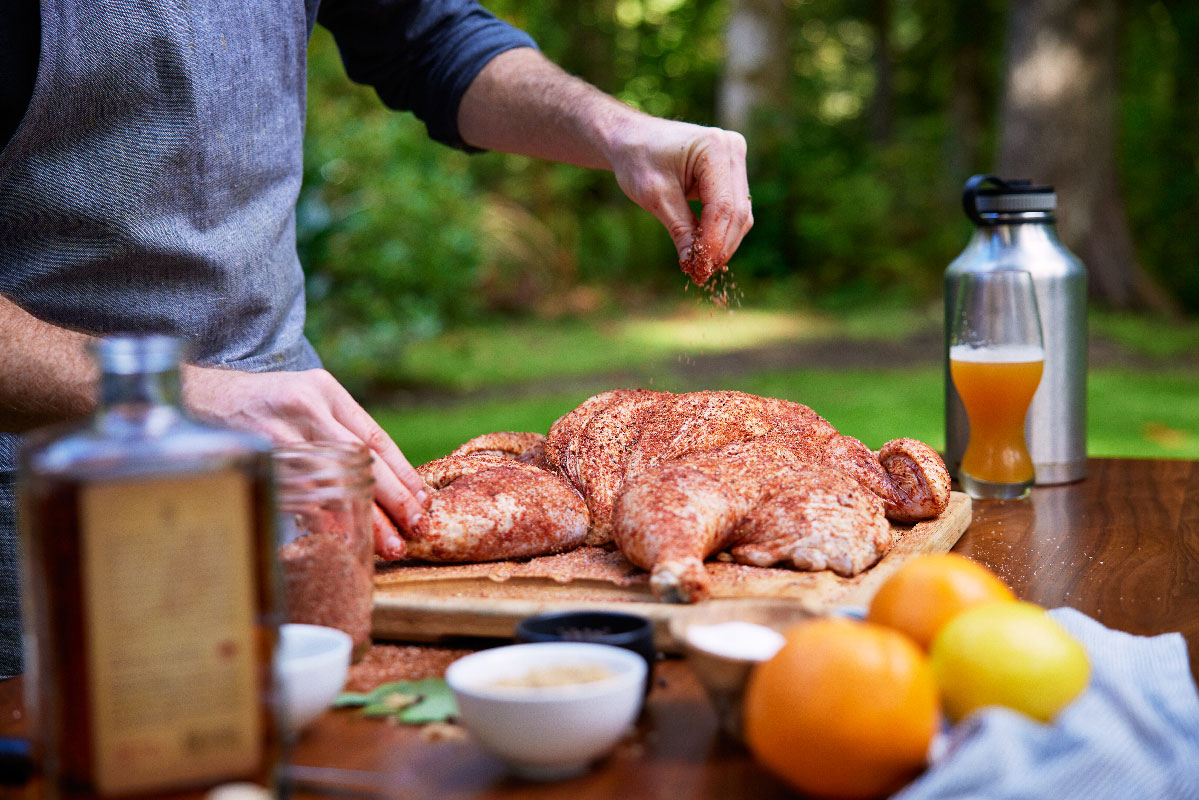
(426,603)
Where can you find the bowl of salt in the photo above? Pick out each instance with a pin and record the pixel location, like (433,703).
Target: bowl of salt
(724,640)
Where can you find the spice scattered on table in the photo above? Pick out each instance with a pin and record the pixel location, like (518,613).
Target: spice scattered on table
(388,663)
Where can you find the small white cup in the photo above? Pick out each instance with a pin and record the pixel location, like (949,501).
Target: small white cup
(311,664)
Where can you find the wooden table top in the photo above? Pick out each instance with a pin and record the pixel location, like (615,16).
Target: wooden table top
(1121,546)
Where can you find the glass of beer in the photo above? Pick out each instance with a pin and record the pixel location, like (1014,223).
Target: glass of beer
(996,358)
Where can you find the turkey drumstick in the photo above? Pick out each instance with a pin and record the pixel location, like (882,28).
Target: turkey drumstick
(759,499)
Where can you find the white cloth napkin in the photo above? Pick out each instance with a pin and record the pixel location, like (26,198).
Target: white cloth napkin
(1133,734)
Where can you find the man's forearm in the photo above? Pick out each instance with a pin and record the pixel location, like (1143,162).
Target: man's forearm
(523,103)
(46,374)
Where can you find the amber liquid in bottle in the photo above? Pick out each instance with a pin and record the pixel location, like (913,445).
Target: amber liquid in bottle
(150,594)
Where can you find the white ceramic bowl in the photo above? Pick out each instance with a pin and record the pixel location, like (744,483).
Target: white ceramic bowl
(548,732)
(311,662)
(724,672)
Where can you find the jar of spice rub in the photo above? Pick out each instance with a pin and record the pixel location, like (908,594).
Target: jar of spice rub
(324,495)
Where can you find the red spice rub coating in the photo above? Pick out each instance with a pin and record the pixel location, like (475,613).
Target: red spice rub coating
(603,449)
(759,498)
(525,447)
(487,507)
(618,435)
(674,478)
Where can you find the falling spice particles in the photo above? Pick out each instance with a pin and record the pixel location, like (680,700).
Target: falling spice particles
(723,291)
(711,276)
(326,583)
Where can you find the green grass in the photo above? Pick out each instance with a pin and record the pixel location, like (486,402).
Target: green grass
(1152,337)
(1131,414)
(531,373)
(505,353)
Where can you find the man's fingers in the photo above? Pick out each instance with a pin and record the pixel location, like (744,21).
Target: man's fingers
(312,406)
(665,200)
(394,496)
(388,542)
(402,506)
(721,185)
(347,411)
(398,488)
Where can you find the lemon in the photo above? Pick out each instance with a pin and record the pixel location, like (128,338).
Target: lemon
(1008,654)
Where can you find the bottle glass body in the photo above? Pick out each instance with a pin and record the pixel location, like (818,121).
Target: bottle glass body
(150,596)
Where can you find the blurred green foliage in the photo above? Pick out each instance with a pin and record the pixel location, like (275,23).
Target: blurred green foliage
(402,238)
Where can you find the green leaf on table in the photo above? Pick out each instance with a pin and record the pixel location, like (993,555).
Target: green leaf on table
(351,700)
(414,702)
(433,707)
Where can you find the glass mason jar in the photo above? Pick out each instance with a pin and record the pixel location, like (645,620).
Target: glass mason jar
(324,495)
(151,615)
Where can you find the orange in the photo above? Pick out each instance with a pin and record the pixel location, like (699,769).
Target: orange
(845,709)
(928,591)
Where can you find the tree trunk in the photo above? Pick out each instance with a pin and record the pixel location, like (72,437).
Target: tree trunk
(1059,127)
(882,101)
(756,63)
(967,90)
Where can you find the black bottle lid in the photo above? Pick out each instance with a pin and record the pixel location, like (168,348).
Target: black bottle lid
(1011,196)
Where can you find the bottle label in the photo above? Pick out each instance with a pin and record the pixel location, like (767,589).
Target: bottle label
(169,593)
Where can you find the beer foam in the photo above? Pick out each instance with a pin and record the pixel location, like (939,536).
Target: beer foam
(998,354)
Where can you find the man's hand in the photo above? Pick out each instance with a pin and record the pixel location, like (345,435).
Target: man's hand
(661,165)
(523,103)
(308,406)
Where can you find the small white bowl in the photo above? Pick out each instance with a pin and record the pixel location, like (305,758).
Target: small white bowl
(311,663)
(548,732)
(722,672)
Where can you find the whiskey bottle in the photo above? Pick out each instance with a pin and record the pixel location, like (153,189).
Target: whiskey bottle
(150,601)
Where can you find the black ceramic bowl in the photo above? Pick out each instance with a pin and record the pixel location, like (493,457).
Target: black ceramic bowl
(603,627)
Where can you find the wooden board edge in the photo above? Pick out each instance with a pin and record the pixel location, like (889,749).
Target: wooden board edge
(428,618)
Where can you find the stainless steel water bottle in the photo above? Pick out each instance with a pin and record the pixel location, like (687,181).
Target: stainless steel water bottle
(1015,228)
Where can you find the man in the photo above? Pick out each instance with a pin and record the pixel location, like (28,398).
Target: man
(150,185)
